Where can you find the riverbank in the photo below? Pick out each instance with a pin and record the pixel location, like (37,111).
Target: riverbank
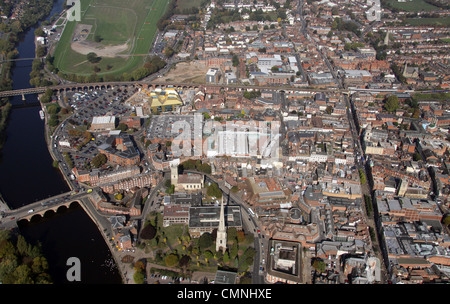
(5,110)
(27,175)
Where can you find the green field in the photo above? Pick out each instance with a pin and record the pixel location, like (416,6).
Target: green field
(116,23)
(412,6)
(429,21)
(183,4)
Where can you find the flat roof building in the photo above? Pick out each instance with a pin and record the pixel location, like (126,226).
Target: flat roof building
(103,123)
(206,219)
(284,262)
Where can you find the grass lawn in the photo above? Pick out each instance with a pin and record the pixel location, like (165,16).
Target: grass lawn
(116,22)
(429,21)
(113,24)
(183,4)
(412,6)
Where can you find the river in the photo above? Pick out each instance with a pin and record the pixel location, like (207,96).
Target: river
(27,175)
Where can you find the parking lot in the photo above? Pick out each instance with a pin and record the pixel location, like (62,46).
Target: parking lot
(161,126)
(86,105)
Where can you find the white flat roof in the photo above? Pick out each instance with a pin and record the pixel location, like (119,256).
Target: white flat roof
(103,119)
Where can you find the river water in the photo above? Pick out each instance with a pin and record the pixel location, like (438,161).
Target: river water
(27,175)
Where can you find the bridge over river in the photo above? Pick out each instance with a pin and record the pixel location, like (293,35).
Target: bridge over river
(9,218)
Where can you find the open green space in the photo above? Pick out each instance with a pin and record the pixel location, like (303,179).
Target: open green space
(412,6)
(186,4)
(429,21)
(114,23)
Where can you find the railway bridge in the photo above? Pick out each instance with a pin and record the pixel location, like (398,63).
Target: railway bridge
(73,87)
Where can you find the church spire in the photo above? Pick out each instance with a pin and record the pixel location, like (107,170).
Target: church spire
(221,241)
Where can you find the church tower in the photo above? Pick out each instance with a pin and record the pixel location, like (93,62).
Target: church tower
(174,174)
(221,241)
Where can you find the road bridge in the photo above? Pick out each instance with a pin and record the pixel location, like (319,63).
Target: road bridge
(40,208)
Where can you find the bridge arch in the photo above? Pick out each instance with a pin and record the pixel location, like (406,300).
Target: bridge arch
(61,208)
(36,216)
(49,212)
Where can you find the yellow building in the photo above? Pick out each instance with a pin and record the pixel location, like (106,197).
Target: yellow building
(163,100)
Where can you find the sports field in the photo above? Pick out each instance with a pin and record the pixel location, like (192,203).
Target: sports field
(412,5)
(120,32)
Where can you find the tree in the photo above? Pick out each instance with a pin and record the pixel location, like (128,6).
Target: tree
(362,176)
(93,58)
(53,121)
(231,234)
(21,263)
(139,266)
(168,51)
(319,265)
(39,265)
(40,51)
(139,277)
(39,32)
(99,160)
(171,260)
(235,60)
(214,190)
(184,261)
(22,245)
(392,103)
(234,250)
(417,156)
(98,38)
(241,236)
(205,241)
(148,232)
(47,96)
(53,108)
(122,127)
(170,189)
(446,220)
(209,255)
